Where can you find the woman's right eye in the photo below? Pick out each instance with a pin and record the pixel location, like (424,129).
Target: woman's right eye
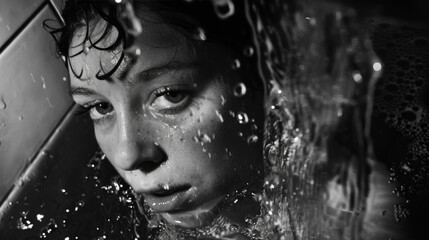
(99,110)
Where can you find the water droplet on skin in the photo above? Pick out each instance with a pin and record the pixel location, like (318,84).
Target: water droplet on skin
(39,217)
(165,187)
(21,118)
(219,116)
(242,118)
(222,100)
(2,124)
(64,79)
(240,90)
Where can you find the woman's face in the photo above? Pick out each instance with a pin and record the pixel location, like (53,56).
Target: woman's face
(172,125)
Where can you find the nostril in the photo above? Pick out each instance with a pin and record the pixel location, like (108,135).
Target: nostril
(148,166)
(153,159)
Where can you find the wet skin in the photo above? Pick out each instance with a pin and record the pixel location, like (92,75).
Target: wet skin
(167,126)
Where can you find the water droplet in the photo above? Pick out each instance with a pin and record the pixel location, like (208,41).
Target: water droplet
(165,187)
(377,66)
(252,139)
(248,52)
(240,90)
(233,228)
(64,79)
(49,102)
(21,118)
(357,77)
(219,116)
(236,64)
(3,104)
(224,9)
(222,100)
(43,82)
(242,118)
(201,34)
(39,217)
(44,233)
(23,222)
(2,124)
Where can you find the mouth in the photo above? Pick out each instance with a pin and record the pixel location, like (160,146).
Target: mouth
(179,206)
(169,199)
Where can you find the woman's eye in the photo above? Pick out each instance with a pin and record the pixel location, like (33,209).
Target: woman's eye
(170,101)
(99,110)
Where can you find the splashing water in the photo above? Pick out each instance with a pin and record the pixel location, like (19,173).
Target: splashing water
(316,184)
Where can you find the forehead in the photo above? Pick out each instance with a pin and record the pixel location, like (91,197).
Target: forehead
(158,43)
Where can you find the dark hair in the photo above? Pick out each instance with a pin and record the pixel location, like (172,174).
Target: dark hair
(188,17)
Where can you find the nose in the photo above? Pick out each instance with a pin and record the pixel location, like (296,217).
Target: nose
(137,151)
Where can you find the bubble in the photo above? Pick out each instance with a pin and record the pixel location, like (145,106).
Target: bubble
(240,90)
(242,118)
(224,8)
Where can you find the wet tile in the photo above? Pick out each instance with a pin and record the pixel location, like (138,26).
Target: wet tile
(13,14)
(33,97)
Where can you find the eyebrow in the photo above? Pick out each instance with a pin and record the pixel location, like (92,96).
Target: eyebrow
(151,74)
(81,91)
(143,76)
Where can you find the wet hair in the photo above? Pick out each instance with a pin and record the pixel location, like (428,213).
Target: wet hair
(187,17)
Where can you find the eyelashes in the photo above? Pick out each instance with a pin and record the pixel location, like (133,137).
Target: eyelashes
(167,100)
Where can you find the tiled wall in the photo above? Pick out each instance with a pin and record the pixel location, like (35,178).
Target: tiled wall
(33,86)
(44,147)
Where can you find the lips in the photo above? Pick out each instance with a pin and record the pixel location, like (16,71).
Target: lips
(173,199)
(180,206)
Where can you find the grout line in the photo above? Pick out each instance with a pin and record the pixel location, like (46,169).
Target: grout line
(29,169)
(22,27)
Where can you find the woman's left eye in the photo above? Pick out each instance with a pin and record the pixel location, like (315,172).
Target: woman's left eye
(170,100)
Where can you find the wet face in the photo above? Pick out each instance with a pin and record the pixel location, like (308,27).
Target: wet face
(172,126)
